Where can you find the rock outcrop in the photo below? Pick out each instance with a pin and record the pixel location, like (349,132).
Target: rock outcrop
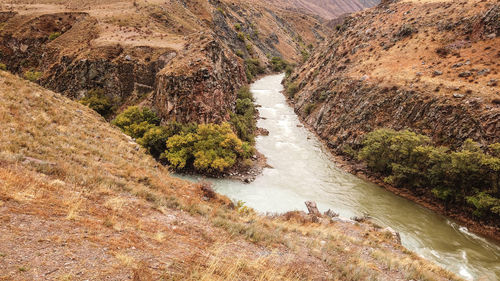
(199,84)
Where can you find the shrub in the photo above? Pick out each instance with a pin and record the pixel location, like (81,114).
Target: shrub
(32,75)
(98,101)
(309,108)
(243,119)
(253,68)
(305,55)
(241,36)
(288,70)
(155,139)
(237,26)
(240,53)
(484,203)
(212,148)
(54,35)
(278,64)
(136,121)
(292,89)
(3,66)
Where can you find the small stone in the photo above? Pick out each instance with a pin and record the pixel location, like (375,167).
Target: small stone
(483,71)
(437,73)
(127,57)
(465,74)
(493,82)
(458,96)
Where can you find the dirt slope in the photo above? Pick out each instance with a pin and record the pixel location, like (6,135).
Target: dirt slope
(79,200)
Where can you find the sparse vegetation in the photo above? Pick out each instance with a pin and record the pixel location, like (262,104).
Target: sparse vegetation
(3,66)
(241,36)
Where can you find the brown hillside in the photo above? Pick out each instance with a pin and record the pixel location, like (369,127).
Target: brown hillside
(79,200)
(432,66)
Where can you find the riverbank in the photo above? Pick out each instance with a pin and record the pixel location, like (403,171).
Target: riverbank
(424,198)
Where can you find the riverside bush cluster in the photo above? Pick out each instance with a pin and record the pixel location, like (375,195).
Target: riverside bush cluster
(208,148)
(468,175)
(243,119)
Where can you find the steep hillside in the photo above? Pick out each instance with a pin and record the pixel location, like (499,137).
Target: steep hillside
(431,66)
(145,51)
(329,9)
(428,66)
(79,200)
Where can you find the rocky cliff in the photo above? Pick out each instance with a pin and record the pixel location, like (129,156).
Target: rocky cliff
(424,66)
(198,85)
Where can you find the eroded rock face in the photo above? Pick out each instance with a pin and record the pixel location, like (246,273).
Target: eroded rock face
(354,108)
(199,85)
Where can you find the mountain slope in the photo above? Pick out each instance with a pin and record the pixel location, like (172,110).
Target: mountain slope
(81,200)
(407,64)
(129,49)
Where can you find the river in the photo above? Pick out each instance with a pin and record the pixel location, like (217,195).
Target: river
(303,170)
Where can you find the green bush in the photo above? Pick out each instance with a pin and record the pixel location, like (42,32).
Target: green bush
(469,175)
(3,66)
(243,119)
(212,148)
(237,26)
(253,68)
(278,64)
(244,93)
(207,148)
(54,35)
(241,36)
(305,55)
(309,108)
(32,75)
(155,139)
(288,70)
(292,89)
(240,53)
(98,101)
(136,121)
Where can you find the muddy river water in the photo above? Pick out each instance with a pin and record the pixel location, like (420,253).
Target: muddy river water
(303,170)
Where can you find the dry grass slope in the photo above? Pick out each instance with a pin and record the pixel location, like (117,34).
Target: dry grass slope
(81,201)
